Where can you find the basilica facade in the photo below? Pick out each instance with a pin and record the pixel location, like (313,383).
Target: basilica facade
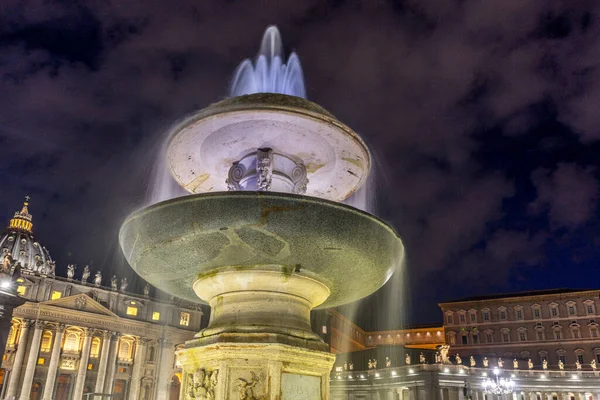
(80,335)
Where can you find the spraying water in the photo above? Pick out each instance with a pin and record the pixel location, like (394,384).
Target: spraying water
(269,73)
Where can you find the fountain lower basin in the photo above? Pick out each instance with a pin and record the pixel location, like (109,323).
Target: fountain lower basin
(174,243)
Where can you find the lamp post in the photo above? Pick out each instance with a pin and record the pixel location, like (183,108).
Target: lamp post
(498,385)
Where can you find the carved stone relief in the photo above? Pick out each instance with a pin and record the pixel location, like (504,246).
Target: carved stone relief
(201,385)
(251,388)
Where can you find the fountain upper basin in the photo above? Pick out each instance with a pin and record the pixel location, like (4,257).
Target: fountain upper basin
(204,146)
(177,242)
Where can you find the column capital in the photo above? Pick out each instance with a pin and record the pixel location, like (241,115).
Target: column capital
(164,342)
(40,324)
(60,328)
(141,341)
(27,323)
(89,332)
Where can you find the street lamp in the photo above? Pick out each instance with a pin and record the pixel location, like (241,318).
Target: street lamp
(498,385)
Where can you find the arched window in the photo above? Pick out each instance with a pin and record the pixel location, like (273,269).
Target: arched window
(71,342)
(125,350)
(46,342)
(151,354)
(95,349)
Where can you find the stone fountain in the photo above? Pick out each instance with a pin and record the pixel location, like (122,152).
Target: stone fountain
(263,239)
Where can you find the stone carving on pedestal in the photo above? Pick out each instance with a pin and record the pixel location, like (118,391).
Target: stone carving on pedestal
(86,274)
(201,385)
(70,271)
(247,387)
(98,278)
(444,354)
(264,169)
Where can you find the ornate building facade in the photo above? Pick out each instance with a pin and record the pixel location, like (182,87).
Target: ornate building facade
(345,336)
(73,337)
(550,329)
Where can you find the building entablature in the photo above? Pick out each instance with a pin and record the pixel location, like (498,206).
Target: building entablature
(88,313)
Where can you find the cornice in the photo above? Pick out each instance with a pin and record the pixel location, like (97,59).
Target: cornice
(33,311)
(539,297)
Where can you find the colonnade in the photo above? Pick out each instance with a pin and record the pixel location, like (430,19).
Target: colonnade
(457,393)
(21,378)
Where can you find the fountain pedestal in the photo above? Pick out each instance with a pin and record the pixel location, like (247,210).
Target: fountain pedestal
(258,344)
(255,372)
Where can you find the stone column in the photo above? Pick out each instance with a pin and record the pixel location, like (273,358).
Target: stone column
(53,367)
(106,345)
(112,363)
(412,394)
(138,362)
(83,363)
(163,364)
(34,351)
(15,373)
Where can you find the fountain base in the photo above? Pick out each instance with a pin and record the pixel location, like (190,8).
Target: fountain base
(254,371)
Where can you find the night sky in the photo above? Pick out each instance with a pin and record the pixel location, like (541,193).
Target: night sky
(483,117)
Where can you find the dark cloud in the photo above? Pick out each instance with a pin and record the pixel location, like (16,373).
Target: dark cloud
(88,91)
(568,194)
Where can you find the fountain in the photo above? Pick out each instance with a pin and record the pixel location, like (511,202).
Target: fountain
(263,238)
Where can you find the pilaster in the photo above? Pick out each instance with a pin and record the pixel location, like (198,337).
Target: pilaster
(83,362)
(138,363)
(106,345)
(32,360)
(54,360)
(15,374)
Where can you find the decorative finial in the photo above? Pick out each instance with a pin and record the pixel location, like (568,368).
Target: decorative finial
(22,219)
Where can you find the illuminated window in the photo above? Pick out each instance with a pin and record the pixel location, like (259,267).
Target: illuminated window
(184,319)
(21,290)
(71,342)
(155,316)
(95,349)
(56,295)
(324,329)
(41,361)
(46,342)
(90,367)
(132,311)
(125,350)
